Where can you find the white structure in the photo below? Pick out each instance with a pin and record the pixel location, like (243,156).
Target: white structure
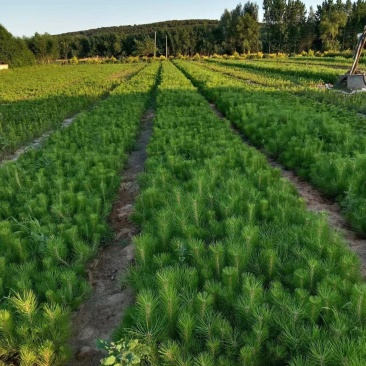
(4,66)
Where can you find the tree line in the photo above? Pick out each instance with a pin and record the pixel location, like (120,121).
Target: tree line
(287,26)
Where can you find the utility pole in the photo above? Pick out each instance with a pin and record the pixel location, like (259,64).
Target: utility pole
(155,46)
(166,46)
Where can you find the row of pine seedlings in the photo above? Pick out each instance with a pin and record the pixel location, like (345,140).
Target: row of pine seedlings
(42,97)
(323,143)
(53,208)
(286,69)
(306,88)
(231,269)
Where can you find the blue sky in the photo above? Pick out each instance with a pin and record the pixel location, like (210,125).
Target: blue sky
(22,17)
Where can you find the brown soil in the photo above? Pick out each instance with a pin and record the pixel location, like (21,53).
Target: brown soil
(102,312)
(316,202)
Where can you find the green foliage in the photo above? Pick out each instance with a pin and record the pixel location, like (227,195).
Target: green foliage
(14,51)
(230,267)
(34,100)
(125,353)
(60,198)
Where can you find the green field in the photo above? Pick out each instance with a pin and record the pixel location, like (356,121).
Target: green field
(230,266)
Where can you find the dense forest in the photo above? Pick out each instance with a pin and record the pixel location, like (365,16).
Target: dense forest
(14,51)
(287,26)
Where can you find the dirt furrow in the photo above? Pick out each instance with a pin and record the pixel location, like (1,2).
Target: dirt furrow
(102,312)
(315,201)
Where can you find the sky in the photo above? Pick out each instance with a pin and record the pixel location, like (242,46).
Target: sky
(25,17)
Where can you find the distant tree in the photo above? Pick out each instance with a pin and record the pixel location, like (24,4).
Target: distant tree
(294,20)
(332,18)
(45,47)
(239,29)
(355,23)
(144,47)
(65,46)
(310,36)
(248,28)
(14,51)
(275,27)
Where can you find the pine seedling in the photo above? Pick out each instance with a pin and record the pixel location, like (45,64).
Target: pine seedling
(218,254)
(331,299)
(203,303)
(358,299)
(230,277)
(270,263)
(145,245)
(162,260)
(204,359)
(277,353)
(196,250)
(232,341)
(169,300)
(233,227)
(82,252)
(300,361)
(7,325)
(27,356)
(239,255)
(58,251)
(165,223)
(186,327)
(248,356)
(321,352)
(56,323)
(301,278)
(215,289)
(147,305)
(25,304)
(213,346)
(169,351)
(349,265)
(250,234)
(46,354)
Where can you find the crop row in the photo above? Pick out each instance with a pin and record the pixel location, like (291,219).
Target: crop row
(323,143)
(314,73)
(301,88)
(41,103)
(326,61)
(53,208)
(231,269)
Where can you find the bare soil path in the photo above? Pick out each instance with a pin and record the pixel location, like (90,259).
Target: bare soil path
(315,201)
(102,312)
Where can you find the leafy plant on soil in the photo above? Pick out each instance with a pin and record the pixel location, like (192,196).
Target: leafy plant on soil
(125,353)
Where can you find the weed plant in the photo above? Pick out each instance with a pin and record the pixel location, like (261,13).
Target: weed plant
(231,269)
(53,208)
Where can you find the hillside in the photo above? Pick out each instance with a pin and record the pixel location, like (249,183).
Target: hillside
(145,29)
